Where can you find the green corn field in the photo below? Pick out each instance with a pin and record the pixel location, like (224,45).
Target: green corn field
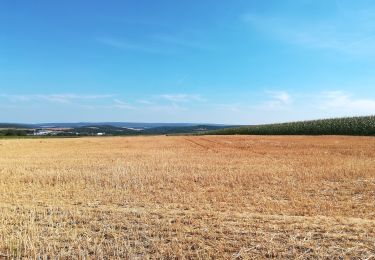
(359,126)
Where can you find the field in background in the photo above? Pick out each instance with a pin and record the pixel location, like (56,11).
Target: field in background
(357,126)
(193,197)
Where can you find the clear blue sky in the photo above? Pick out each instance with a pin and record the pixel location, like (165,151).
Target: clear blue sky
(236,62)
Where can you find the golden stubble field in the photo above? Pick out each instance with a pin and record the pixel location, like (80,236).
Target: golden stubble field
(202,197)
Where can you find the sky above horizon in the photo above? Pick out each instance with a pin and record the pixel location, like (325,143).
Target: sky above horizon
(230,62)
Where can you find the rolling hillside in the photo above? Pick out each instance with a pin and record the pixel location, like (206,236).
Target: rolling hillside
(109,129)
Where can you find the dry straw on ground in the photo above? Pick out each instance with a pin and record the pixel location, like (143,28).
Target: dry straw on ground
(188,197)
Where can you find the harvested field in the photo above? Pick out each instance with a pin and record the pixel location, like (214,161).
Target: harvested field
(190,197)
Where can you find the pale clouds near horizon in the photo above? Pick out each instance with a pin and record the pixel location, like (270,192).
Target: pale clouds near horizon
(274,106)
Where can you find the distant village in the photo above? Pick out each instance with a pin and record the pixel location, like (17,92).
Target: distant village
(58,131)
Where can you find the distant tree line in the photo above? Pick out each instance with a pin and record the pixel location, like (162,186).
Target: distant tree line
(13,132)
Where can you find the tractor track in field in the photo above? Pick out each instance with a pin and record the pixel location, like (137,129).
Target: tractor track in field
(215,142)
(195,143)
(208,145)
(220,146)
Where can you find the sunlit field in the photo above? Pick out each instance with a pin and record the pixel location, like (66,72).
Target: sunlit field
(188,197)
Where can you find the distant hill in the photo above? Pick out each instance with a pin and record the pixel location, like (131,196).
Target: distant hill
(11,125)
(111,129)
(99,129)
(115,124)
(360,126)
(183,129)
(364,126)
